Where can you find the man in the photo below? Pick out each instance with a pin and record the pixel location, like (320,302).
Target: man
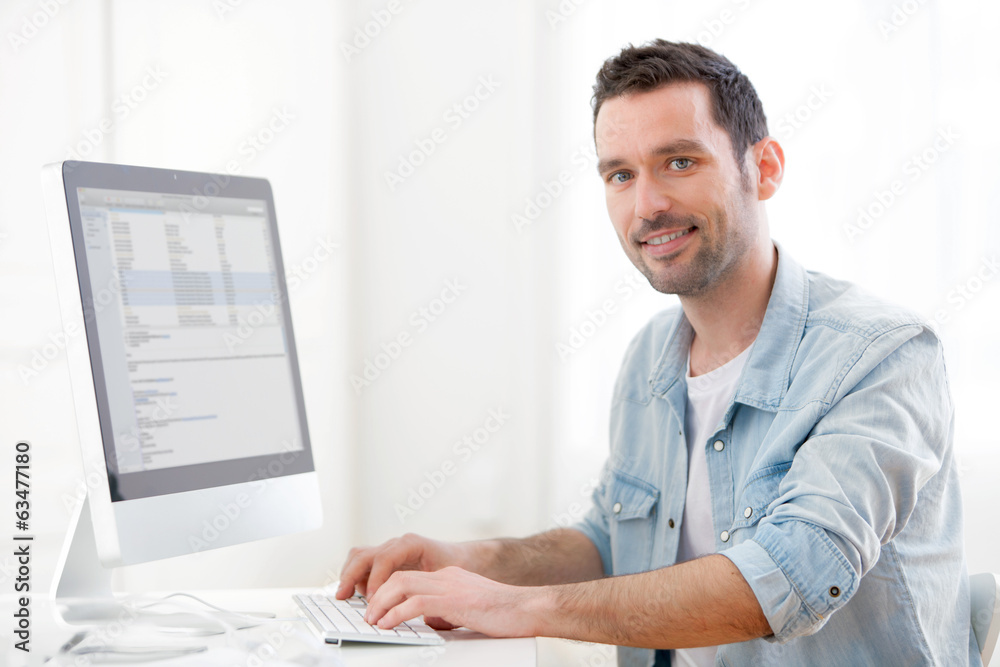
(781,486)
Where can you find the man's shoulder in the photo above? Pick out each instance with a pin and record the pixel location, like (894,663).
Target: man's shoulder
(842,306)
(848,333)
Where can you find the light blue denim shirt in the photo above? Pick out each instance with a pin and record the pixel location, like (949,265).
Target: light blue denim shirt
(833,479)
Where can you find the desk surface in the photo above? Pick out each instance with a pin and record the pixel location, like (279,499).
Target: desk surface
(281,641)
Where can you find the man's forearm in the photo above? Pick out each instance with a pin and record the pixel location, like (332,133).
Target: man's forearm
(705,602)
(557,556)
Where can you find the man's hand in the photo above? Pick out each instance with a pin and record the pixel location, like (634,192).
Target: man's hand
(367,568)
(453,597)
(704,602)
(558,556)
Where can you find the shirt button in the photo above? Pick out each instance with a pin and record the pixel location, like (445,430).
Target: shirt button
(670,522)
(724,536)
(834,591)
(748,512)
(719,445)
(617,509)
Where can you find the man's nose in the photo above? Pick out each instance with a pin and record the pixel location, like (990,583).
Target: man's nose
(651,198)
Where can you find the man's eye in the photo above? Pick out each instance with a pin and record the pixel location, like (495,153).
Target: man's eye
(681,163)
(619,177)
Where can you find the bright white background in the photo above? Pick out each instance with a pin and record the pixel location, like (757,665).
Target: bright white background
(854,90)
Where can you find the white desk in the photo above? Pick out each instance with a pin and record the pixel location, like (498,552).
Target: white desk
(284,640)
(272,640)
(462,648)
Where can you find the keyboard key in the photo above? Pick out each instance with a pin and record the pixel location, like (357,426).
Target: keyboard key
(404,631)
(338,621)
(344,620)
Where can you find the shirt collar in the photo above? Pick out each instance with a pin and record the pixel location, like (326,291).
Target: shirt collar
(767,371)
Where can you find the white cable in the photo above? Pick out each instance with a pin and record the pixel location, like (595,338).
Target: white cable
(256,617)
(140,607)
(232,638)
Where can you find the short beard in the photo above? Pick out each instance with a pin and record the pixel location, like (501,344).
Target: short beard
(712,262)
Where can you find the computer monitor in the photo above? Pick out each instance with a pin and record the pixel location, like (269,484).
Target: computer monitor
(183,365)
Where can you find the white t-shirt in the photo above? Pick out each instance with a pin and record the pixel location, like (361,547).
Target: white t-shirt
(708,396)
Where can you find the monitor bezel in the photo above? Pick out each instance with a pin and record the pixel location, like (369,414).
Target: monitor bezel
(146,484)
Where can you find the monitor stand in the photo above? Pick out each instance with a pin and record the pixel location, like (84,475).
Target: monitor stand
(81,587)
(81,590)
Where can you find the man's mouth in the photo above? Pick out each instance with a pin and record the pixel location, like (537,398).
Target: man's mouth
(666,238)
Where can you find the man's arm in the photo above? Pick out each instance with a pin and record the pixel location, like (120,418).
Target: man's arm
(557,556)
(705,602)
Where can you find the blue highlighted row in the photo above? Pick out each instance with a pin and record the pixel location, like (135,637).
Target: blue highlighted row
(205,288)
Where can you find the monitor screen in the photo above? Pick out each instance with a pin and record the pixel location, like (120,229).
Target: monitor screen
(192,353)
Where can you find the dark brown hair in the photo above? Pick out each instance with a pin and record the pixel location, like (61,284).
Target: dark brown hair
(735,104)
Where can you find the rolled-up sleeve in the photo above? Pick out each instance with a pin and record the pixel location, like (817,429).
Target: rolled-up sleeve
(798,576)
(853,483)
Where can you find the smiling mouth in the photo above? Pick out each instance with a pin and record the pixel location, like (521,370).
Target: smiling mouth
(666,238)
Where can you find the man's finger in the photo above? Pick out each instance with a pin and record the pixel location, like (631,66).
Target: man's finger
(346,590)
(384,599)
(354,572)
(402,586)
(407,609)
(381,569)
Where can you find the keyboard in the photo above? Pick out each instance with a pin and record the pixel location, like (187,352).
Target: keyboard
(344,620)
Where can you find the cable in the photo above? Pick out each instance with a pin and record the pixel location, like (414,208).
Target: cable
(234,639)
(309,650)
(257,617)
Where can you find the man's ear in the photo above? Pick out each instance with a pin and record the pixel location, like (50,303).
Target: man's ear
(769,159)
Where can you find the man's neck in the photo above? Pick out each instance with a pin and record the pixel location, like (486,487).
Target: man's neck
(727,319)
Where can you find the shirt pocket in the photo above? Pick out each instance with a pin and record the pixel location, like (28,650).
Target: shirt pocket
(630,504)
(760,490)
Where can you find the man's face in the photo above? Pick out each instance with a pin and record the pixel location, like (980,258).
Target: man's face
(682,211)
